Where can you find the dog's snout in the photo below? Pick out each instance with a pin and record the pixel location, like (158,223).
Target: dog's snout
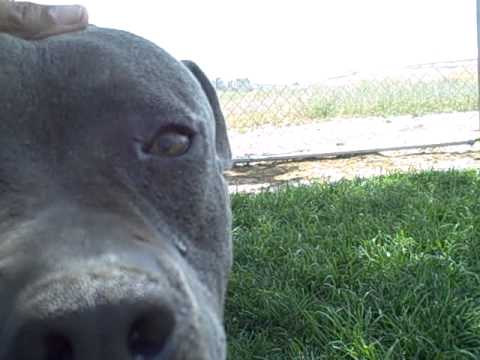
(146,336)
(57,347)
(149,334)
(95,318)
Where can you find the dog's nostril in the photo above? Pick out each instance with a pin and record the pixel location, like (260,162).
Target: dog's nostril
(149,334)
(58,347)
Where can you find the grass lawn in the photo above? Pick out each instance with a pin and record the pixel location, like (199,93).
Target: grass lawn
(385,268)
(390,98)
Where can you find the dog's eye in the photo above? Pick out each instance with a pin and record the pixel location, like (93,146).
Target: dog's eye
(169,143)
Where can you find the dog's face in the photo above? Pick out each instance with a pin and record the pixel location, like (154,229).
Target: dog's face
(114,215)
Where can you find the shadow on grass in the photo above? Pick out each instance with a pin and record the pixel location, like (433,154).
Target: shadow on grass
(274,174)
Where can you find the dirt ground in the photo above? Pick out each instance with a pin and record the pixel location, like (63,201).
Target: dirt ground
(253,178)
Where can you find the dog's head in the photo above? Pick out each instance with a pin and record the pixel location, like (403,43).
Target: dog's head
(114,213)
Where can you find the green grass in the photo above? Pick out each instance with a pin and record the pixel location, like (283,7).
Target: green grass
(286,106)
(390,98)
(386,268)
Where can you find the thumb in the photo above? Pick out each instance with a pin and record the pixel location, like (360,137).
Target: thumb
(34,21)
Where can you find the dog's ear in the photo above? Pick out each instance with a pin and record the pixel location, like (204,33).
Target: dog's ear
(222,144)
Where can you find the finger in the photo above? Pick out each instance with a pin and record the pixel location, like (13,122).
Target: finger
(66,18)
(33,21)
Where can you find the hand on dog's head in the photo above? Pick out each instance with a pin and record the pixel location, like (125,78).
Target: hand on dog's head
(33,21)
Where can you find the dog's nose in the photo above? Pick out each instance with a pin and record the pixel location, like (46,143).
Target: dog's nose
(115,331)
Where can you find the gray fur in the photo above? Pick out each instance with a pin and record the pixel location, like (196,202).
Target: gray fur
(94,230)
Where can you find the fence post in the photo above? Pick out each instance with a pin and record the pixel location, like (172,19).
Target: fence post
(478,59)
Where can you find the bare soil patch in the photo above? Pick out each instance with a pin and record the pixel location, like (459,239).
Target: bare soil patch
(261,176)
(355,134)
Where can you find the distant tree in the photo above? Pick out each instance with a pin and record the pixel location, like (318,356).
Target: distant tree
(244,84)
(219,84)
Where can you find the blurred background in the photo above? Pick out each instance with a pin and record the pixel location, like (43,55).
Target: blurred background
(301,77)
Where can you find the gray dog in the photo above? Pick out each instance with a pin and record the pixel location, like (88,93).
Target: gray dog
(115,219)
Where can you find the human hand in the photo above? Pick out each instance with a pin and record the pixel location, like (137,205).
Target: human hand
(34,21)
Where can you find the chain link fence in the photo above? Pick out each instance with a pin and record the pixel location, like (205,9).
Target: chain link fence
(415,92)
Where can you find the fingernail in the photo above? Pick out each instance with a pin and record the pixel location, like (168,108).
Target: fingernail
(68,14)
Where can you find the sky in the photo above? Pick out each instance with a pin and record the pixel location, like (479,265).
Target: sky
(286,41)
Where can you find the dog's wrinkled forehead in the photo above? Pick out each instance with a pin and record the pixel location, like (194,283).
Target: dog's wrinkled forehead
(116,64)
